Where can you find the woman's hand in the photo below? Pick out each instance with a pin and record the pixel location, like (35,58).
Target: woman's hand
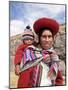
(17,69)
(54,56)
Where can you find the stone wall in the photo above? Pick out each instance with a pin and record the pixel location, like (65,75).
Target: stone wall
(60,42)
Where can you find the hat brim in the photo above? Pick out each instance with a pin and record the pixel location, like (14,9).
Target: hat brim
(46,23)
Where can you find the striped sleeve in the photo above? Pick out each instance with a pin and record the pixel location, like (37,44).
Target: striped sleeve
(28,55)
(31,55)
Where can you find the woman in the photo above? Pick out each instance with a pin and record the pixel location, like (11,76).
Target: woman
(39,63)
(46,29)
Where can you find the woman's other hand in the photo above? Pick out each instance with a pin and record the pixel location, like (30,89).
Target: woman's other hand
(17,69)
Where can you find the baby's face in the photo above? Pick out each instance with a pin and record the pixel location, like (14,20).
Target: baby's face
(28,41)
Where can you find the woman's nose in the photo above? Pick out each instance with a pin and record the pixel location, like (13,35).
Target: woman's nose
(47,39)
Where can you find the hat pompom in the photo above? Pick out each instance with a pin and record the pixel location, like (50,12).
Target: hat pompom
(28,27)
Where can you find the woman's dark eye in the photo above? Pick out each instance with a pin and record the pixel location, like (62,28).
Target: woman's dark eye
(44,36)
(50,36)
(47,36)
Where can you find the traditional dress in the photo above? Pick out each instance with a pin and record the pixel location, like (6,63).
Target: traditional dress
(32,61)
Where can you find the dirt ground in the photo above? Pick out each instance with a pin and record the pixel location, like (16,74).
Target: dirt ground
(13,80)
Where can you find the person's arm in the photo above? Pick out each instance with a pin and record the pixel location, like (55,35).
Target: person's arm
(17,61)
(18,57)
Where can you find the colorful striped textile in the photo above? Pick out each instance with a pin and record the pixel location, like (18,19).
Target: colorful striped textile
(32,53)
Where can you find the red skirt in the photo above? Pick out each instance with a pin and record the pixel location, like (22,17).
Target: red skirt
(59,79)
(26,78)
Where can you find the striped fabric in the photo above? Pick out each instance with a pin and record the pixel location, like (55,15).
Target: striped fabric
(35,75)
(32,53)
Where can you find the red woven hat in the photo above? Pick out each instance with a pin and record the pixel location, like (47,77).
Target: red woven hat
(46,23)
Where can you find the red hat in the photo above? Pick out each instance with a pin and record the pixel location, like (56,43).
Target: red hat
(46,23)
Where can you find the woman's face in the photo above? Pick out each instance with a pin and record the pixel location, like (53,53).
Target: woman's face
(46,39)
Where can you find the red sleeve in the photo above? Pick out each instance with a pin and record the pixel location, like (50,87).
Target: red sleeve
(18,54)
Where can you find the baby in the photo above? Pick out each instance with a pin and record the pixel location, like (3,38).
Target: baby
(27,39)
